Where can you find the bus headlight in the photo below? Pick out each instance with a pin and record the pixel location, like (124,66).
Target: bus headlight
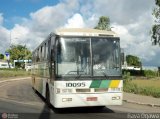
(66,99)
(115,89)
(116,98)
(66,90)
(58,90)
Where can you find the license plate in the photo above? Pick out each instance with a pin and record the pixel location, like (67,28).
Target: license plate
(91,98)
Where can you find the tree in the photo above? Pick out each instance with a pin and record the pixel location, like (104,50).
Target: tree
(133,60)
(104,23)
(156,28)
(19,52)
(1,56)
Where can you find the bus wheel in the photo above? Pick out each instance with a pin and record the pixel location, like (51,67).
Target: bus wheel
(47,96)
(34,90)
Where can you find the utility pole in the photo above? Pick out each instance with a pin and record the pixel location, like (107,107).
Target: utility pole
(8,57)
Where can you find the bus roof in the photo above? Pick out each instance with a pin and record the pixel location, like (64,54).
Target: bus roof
(84,32)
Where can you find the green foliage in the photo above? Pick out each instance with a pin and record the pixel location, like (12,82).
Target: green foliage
(149,91)
(133,60)
(1,56)
(137,88)
(19,52)
(130,87)
(126,77)
(155,37)
(150,73)
(6,73)
(104,23)
(156,11)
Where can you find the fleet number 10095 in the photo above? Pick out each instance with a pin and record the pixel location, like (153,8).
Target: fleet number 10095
(82,84)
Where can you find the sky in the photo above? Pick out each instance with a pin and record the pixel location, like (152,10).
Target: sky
(28,22)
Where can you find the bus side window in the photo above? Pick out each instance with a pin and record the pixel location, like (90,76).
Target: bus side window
(49,49)
(53,48)
(37,56)
(46,53)
(33,57)
(42,55)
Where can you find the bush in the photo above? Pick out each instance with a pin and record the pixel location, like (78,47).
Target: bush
(126,77)
(146,73)
(130,87)
(150,73)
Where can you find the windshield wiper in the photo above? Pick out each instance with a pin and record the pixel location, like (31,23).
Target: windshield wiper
(79,75)
(107,76)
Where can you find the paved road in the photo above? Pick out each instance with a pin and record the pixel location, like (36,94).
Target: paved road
(18,97)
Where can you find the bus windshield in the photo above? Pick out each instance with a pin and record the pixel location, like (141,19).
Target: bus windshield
(88,57)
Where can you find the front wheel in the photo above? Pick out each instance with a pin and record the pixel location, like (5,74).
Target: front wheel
(48,96)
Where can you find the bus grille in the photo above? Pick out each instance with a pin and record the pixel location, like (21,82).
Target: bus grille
(82,90)
(101,90)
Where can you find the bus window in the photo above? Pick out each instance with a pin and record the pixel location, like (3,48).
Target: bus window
(46,53)
(73,56)
(106,58)
(37,55)
(49,49)
(42,53)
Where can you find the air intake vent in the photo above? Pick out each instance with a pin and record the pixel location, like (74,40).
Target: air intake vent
(82,90)
(105,35)
(101,90)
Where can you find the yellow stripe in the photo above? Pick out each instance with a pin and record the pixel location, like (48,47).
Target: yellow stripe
(114,83)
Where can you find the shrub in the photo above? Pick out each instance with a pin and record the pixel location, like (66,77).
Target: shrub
(126,77)
(150,73)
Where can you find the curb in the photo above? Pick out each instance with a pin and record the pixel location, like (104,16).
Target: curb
(139,103)
(16,79)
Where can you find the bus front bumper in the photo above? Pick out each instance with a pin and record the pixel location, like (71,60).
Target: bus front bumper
(82,100)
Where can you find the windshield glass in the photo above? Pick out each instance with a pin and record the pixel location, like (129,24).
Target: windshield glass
(74,56)
(106,56)
(88,57)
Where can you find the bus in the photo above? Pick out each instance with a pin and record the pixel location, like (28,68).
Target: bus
(78,67)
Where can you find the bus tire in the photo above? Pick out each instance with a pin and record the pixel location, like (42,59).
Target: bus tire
(34,89)
(47,96)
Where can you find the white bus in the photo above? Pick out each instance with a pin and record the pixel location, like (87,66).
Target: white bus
(78,68)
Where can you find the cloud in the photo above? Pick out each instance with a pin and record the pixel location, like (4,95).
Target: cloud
(45,20)
(76,21)
(19,34)
(132,20)
(124,11)
(4,39)
(4,35)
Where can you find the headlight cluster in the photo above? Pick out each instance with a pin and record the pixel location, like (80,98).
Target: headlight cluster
(58,90)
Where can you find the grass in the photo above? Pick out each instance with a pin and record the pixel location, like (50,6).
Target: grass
(6,73)
(147,83)
(145,86)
